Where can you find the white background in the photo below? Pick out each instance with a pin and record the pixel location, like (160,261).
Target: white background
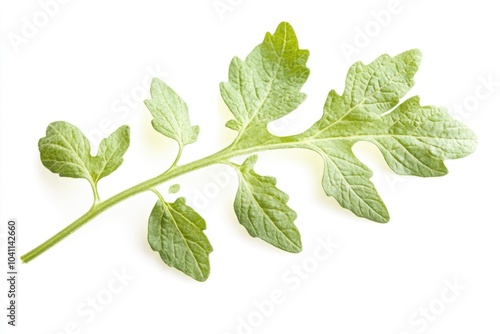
(90,55)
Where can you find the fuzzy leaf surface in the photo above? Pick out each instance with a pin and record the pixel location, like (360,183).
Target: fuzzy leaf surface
(175,230)
(414,139)
(261,208)
(170,114)
(66,151)
(266,85)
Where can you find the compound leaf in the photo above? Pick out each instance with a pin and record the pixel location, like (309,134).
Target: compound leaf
(414,140)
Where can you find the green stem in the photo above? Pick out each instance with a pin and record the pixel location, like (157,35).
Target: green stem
(157,193)
(175,171)
(97,199)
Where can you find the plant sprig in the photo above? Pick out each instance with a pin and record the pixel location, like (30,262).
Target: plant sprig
(414,140)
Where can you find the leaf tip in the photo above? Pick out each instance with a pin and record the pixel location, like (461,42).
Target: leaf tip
(156,81)
(416,53)
(201,278)
(383,219)
(284,26)
(297,248)
(411,58)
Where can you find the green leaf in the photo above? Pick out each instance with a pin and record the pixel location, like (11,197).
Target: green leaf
(66,151)
(170,114)
(261,208)
(266,86)
(110,154)
(370,90)
(414,140)
(175,230)
(347,180)
(174,188)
